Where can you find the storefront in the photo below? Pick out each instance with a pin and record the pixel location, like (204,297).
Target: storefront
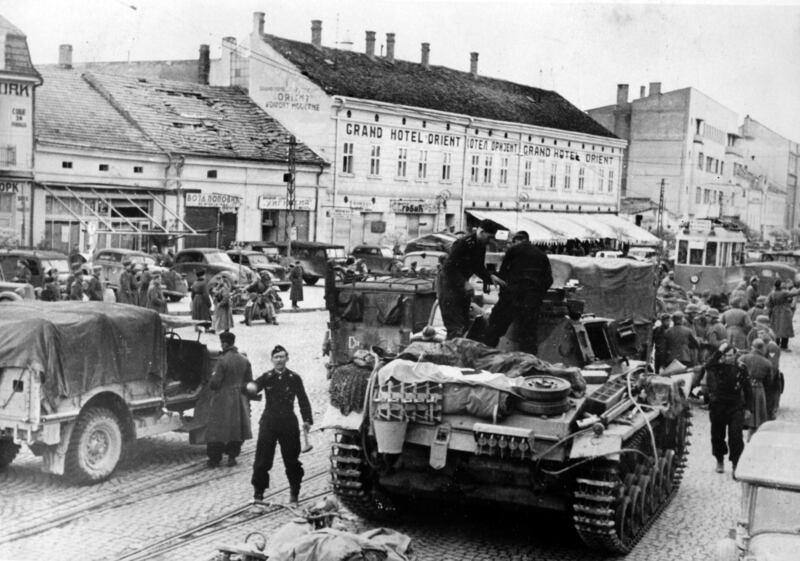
(416,217)
(214,216)
(275,218)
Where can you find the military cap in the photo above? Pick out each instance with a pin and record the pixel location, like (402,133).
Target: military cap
(713,313)
(692,309)
(762,319)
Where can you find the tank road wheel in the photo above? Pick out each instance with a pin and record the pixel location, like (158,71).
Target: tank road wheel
(636,512)
(95,446)
(8,451)
(668,472)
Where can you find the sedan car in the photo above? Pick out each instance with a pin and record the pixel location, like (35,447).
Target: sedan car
(216,263)
(110,261)
(259,261)
(377,258)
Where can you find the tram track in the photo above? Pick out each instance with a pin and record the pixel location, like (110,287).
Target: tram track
(231,519)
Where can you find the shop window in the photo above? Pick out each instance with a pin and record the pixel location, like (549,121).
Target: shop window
(402,162)
(503,171)
(375,160)
(581,178)
(553,175)
(347,157)
(447,158)
(474,170)
(422,166)
(527,172)
(487,169)
(6,202)
(567,177)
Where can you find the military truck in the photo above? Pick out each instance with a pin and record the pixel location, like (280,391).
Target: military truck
(585,428)
(81,381)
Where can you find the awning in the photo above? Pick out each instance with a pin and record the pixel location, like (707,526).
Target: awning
(558,227)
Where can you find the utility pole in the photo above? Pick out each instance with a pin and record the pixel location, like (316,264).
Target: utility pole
(660,219)
(290,195)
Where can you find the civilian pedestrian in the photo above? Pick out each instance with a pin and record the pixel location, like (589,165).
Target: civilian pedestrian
(296,278)
(279,425)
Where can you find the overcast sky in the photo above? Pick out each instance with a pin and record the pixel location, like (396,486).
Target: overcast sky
(747,56)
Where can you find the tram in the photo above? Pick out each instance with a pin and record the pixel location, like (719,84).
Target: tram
(710,256)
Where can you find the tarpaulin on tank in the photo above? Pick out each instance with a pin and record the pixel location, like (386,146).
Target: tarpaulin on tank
(81,345)
(615,288)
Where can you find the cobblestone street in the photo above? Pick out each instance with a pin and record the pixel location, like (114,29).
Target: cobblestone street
(165,489)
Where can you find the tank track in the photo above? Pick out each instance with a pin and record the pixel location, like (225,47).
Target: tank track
(351,478)
(616,502)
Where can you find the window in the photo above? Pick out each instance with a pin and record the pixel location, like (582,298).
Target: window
(711,254)
(716,166)
(553,175)
(567,177)
(698,197)
(447,158)
(503,171)
(422,167)
(402,162)
(541,168)
(103,167)
(487,169)
(526,174)
(698,126)
(347,157)
(611,181)
(581,178)
(66,165)
(696,256)
(722,168)
(706,196)
(601,179)
(375,160)
(8,155)
(138,169)
(211,174)
(709,163)
(474,172)
(700,159)
(683,251)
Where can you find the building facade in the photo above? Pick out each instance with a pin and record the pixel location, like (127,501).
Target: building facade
(18,83)
(417,148)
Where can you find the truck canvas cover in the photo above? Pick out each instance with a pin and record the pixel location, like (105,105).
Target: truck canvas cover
(81,345)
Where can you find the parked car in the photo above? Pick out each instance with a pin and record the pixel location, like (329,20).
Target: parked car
(440,241)
(10,291)
(110,259)
(217,264)
(768,526)
(39,262)
(424,262)
(313,257)
(258,261)
(768,272)
(377,258)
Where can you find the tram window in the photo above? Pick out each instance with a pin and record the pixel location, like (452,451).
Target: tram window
(724,254)
(696,257)
(683,249)
(711,254)
(738,254)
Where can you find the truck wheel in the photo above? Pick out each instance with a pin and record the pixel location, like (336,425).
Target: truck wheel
(9,296)
(8,451)
(311,281)
(95,447)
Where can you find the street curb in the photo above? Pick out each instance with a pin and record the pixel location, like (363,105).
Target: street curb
(290,311)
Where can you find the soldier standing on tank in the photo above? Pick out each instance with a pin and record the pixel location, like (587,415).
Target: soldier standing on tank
(660,342)
(278,425)
(729,394)
(467,257)
(524,277)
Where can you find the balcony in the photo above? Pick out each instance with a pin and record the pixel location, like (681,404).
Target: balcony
(698,138)
(733,151)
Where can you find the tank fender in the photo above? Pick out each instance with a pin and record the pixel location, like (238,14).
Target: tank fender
(589,445)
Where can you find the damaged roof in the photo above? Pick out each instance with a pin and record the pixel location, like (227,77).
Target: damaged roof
(70,112)
(180,70)
(194,119)
(357,75)
(17,56)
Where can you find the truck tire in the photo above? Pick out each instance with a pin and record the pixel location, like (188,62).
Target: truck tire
(95,447)
(8,451)
(311,280)
(7,296)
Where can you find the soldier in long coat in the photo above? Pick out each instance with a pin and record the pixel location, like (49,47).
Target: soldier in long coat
(296,292)
(680,341)
(229,409)
(223,309)
(95,287)
(760,372)
(201,300)
(779,305)
(144,286)
(155,296)
(738,324)
(125,291)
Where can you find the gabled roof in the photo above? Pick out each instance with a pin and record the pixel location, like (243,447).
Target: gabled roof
(193,119)
(401,82)
(70,112)
(17,56)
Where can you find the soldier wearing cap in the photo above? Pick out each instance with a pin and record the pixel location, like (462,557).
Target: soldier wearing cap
(751,292)
(467,257)
(52,289)
(125,290)
(23,272)
(75,283)
(697,322)
(680,341)
(738,324)
(155,294)
(660,342)
(94,288)
(760,372)
(772,351)
(758,309)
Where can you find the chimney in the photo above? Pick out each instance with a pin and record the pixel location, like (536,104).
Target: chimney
(371,44)
(316,33)
(258,23)
(473,64)
(65,56)
(642,91)
(390,47)
(203,65)
(655,88)
(426,55)
(622,94)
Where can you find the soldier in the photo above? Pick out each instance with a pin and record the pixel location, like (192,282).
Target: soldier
(278,425)
(52,289)
(296,290)
(524,277)
(155,254)
(760,372)
(751,293)
(95,288)
(779,304)
(738,324)
(466,258)
(229,411)
(728,395)
(125,291)
(201,299)
(75,283)
(680,341)
(22,272)
(760,308)
(155,295)
(660,342)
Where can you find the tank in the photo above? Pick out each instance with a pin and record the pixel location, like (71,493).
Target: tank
(585,428)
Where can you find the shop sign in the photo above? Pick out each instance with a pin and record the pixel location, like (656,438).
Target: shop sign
(9,187)
(228,203)
(15,88)
(402,206)
(279,203)
(19,117)
(360,205)
(344,213)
